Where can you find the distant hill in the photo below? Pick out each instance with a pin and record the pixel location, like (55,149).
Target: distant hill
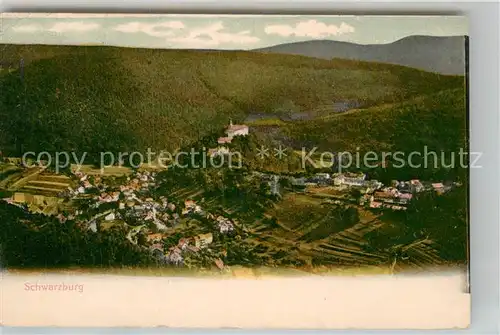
(445,55)
(94,99)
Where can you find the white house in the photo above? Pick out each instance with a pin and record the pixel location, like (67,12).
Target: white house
(236,130)
(350,179)
(322,175)
(232,130)
(109,217)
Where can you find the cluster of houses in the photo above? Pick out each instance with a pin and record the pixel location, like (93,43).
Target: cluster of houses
(388,197)
(83,185)
(176,254)
(190,206)
(224,225)
(340,181)
(137,182)
(131,203)
(373,193)
(401,193)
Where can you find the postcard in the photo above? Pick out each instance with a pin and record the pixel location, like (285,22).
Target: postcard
(243,171)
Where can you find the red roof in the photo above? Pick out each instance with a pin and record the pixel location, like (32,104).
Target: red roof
(375,204)
(183,240)
(223,140)
(158,246)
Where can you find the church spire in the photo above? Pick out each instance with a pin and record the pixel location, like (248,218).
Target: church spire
(230,122)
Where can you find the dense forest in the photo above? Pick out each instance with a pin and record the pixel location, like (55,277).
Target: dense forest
(442,219)
(99,99)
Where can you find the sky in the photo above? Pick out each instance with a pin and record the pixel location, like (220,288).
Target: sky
(217,31)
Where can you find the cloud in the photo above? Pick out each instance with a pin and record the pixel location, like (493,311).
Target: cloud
(310,28)
(212,36)
(60,27)
(161,29)
(64,27)
(28,28)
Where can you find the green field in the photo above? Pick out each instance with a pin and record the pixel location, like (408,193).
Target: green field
(105,171)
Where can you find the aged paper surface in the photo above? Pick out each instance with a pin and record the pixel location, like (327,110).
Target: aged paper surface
(382,302)
(245,171)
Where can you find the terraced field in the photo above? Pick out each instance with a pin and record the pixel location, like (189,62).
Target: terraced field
(46,184)
(297,215)
(36,181)
(350,246)
(9,174)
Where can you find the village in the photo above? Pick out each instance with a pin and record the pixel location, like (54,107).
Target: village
(355,188)
(128,198)
(373,193)
(96,204)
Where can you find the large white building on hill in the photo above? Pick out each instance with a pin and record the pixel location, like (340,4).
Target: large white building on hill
(236,129)
(233,130)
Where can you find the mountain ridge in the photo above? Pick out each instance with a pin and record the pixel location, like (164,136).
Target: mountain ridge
(439,54)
